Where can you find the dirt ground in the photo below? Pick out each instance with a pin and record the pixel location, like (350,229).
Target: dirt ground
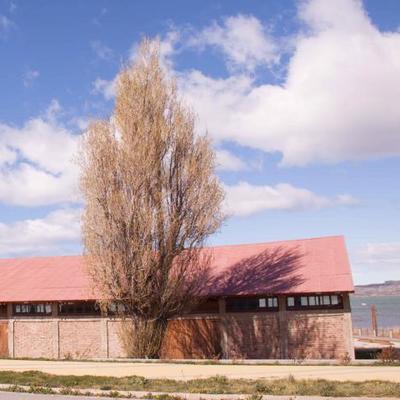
(193,371)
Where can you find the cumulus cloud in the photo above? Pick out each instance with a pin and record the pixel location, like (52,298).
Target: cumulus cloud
(242,39)
(104,87)
(244,199)
(49,235)
(227,161)
(338,101)
(36,162)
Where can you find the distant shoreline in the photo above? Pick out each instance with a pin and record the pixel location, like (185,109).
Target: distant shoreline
(375,295)
(388,288)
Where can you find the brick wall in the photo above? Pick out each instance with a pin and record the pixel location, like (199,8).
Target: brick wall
(284,334)
(36,338)
(252,336)
(192,338)
(115,348)
(81,339)
(326,335)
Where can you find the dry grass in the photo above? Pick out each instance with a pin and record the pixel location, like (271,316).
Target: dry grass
(215,385)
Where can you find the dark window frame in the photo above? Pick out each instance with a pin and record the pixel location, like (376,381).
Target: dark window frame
(250,304)
(319,302)
(208,306)
(32,310)
(79,308)
(3,311)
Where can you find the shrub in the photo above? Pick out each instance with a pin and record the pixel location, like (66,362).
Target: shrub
(389,355)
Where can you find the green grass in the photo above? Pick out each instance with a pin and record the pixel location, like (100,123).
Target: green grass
(215,385)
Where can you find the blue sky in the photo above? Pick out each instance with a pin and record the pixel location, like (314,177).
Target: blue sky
(300,97)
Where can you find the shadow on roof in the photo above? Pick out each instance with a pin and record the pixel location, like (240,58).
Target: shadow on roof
(271,271)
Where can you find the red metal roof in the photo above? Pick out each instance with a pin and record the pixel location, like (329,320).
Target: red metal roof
(296,266)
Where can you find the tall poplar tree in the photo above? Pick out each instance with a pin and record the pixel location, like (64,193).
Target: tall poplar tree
(151,200)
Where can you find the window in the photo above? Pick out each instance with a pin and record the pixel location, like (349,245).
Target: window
(32,309)
(79,308)
(314,302)
(115,308)
(326,300)
(272,302)
(246,304)
(3,310)
(335,299)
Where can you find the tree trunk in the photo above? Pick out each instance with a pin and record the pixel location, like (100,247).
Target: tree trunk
(142,337)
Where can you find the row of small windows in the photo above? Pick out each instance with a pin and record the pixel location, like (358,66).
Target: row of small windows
(69,308)
(233,304)
(316,302)
(79,308)
(252,304)
(32,309)
(238,304)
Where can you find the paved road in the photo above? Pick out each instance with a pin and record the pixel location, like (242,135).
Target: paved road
(187,396)
(193,371)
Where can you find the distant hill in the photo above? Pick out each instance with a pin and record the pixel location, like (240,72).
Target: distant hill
(388,288)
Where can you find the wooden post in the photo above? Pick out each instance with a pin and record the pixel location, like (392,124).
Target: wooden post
(223,327)
(374,320)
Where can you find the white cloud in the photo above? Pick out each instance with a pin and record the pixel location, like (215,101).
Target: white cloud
(339,100)
(244,199)
(81,122)
(7,155)
(376,262)
(101,50)
(29,77)
(243,40)
(226,161)
(36,162)
(105,88)
(380,254)
(47,235)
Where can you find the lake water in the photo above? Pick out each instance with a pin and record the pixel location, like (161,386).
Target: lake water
(388,311)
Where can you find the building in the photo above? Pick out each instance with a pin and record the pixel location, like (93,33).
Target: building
(286,300)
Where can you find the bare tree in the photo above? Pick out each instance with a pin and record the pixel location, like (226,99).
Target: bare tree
(152,199)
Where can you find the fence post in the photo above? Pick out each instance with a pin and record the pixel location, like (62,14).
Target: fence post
(374,320)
